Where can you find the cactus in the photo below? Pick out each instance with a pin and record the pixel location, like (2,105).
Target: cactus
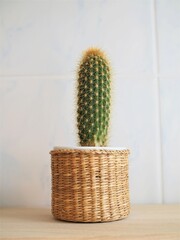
(94,98)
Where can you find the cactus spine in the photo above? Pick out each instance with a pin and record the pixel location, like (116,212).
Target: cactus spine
(94,98)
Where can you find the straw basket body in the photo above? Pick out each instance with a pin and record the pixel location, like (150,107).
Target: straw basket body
(90,185)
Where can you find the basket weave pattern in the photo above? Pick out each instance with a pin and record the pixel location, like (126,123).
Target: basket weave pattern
(90,185)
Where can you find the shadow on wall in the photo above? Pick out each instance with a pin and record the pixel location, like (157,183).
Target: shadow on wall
(20,183)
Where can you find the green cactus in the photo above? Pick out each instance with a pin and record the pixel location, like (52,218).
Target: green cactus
(94,98)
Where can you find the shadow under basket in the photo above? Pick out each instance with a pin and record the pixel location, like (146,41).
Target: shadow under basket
(90,185)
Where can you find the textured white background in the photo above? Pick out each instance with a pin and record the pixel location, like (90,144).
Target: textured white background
(40,44)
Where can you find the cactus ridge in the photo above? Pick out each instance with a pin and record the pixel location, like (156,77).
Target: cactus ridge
(94,96)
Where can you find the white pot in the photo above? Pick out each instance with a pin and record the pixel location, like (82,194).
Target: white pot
(92,148)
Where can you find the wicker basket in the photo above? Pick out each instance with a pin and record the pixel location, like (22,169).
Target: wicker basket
(90,185)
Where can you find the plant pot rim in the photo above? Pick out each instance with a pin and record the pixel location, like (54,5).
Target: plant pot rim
(90,148)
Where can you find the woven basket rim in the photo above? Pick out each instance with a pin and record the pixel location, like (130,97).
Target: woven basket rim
(89,149)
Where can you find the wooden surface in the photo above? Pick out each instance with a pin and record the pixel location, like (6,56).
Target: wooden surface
(145,222)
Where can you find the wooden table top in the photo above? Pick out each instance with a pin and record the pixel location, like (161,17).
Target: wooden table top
(145,222)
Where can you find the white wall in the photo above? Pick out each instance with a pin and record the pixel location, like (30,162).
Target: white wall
(40,45)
